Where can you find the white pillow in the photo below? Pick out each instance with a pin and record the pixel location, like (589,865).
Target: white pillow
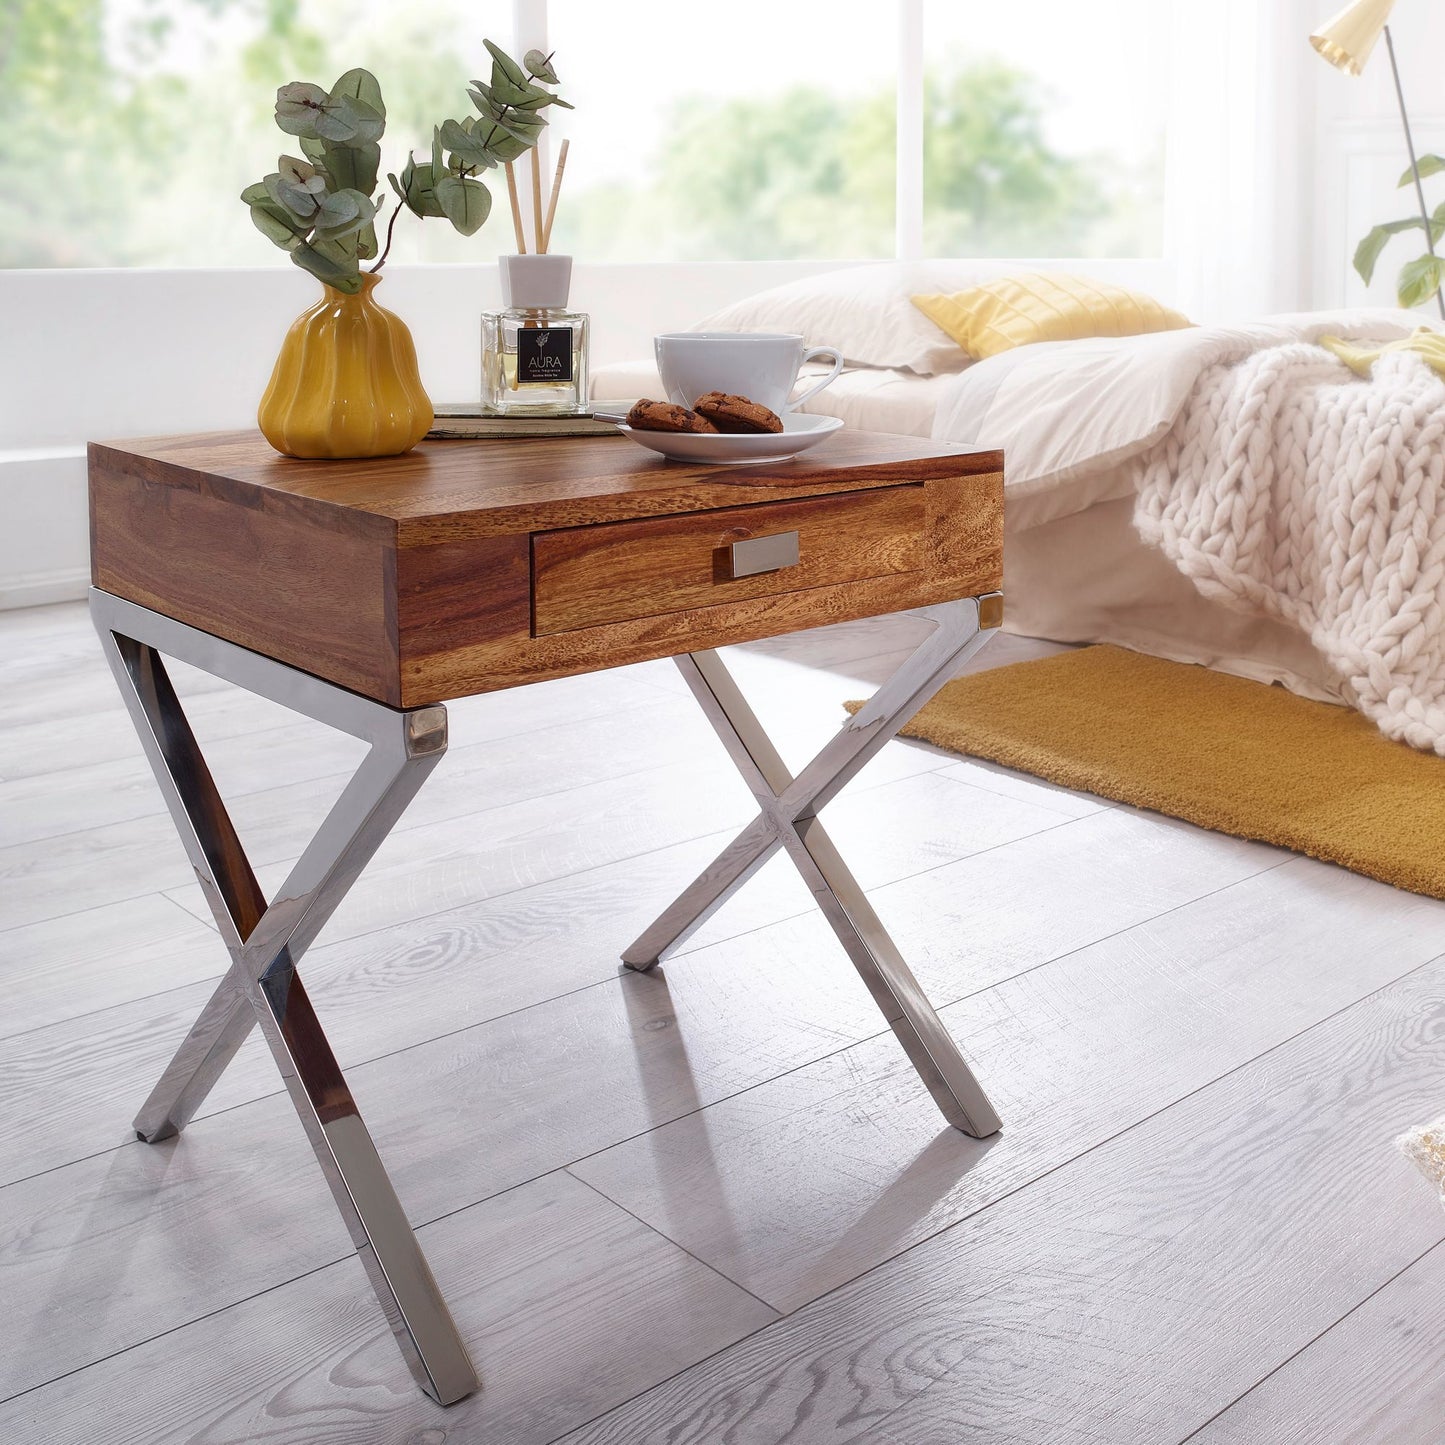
(865,312)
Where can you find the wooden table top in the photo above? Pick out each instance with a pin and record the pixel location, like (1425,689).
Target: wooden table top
(495,487)
(465,566)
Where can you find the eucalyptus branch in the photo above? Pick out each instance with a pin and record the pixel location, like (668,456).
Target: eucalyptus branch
(321,206)
(386,250)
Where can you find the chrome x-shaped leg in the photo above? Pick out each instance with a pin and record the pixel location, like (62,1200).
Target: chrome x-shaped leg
(266,941)
(788,819)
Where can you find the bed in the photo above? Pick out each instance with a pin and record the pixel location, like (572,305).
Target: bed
(1076,569)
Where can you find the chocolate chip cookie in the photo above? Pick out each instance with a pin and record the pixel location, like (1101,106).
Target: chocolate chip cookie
(737,413)
(665,416)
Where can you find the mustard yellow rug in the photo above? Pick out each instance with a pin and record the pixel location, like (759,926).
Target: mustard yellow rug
(1232,755)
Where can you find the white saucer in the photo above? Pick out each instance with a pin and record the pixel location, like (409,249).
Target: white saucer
(738,449)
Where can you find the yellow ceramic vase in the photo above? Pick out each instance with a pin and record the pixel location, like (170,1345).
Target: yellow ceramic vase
(346,383)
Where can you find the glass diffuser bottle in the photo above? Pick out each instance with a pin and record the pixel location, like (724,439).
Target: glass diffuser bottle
(534,350)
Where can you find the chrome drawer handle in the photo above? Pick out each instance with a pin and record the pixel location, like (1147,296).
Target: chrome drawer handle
(764,554)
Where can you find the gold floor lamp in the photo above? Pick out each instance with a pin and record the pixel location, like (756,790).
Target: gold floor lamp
(1346,42)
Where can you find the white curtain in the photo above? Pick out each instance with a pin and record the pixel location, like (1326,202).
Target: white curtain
(1238,156)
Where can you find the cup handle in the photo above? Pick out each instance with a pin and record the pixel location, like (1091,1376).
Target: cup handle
(812,391)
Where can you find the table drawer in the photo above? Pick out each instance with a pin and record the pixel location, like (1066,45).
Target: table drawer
(620,571)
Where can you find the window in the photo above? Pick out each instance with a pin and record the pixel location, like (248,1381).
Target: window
(1043,128)
(128,128)
(762,132)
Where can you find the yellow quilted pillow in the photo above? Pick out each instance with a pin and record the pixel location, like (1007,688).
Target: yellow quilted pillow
(1015,310)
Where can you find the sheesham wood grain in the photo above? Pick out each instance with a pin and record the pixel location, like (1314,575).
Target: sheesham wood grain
(493,665)
(567,1305)
(408,579)
(618,571)
(447,490)
(1374,1377)
(315,590)
(840,1166)
(1131,1294)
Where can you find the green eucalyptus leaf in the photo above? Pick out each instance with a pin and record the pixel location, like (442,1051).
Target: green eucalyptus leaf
(350,120)
(298,107)
(407,172)
(255,193)
(466,204)
(503,146)
(504,64)
(366,245)
(421,191)
(361,85)
(466,146)
(524,97)
(273,222)
(1429,166)
(353,167)
(327,264)
(313,148)
(300,200)
(565,104)
(539,66)
(455,136)
(436,151)
(344,213)
(487,104)
(525,125)
(1367,253)
(1419,280)
(301,173)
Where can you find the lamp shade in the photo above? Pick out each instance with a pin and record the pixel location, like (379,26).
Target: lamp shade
(1347,40)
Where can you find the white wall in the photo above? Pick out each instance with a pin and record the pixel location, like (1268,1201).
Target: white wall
(1359,154)
(97,355)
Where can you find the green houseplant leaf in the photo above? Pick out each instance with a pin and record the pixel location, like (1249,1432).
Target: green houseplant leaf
(296,187)
(1429,166)
(360,85)
(1367,253)
(466,203)
(273,221)
(503,64)
(352,167)
(539,66)
(321,206)
(344,213)
(1419,280)
(331,262)
(306,110)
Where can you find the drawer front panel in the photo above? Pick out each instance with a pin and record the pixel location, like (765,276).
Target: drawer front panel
(621,571)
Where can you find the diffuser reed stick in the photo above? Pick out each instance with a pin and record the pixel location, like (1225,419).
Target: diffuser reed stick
(537,200)
(516,211)
(552,201)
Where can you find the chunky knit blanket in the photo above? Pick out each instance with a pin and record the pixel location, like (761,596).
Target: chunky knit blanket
(1289,486)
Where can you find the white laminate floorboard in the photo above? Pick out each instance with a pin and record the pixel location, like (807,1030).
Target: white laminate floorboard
(710,1204)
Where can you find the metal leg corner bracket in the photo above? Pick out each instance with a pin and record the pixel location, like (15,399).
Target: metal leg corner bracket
(266,940)
(788,819)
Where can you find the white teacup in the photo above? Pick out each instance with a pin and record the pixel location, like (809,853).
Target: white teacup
(762,366)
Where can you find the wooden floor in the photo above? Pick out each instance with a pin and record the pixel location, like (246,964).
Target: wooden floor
(712,1204)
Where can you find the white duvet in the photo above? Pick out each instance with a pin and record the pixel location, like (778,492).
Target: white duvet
(1274,479)
(1066,413)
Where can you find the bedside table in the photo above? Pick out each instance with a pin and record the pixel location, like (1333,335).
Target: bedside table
(367,594)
